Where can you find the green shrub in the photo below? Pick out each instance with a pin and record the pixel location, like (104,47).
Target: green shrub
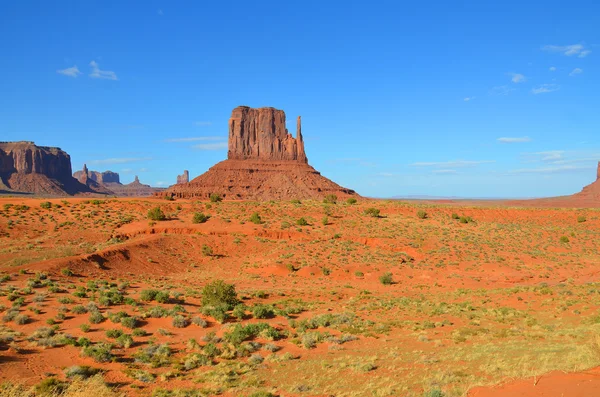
(163,297)
(67,272)
(564,239)
(330,199)
(455,216)
(386,279)
(179,321)
(113,333)
(351,200)
(148,295)
(219,293)
(100,352)
(421,214)
(263,311)
(199,217)
(464,219)
(255,218)
(156,214)
(325,221)
(581,219)
(46,205)
(129,322)
(302,222)
(50,387)
(125,341)
(206,250)
(80,371)
(96,317)
(372,212)
(215,197)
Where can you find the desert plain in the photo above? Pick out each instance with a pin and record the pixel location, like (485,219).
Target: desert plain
(348,297)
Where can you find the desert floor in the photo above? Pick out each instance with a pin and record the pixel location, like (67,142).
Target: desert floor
(334,299)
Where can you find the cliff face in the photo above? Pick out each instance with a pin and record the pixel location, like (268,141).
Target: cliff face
(25,167)
(100,177)
(261,134)
(264,162)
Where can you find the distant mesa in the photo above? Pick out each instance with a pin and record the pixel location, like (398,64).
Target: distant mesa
(108,182)
(28,168)
(183,178)
(264,162)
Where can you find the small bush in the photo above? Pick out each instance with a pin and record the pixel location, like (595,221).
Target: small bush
(564,239)
(100,352)
(455,216)
(179,321)
(21,319)
(96,317)
(263,311)
(351,200)
(302,222)
(372,212)
(464,219)
(325,221)
(163,297)
(156,214)
(129,322)
(124,341)
(215,197)
(386,279)
(581,219)
(421,214)
(46,205)
(67,272)
(50,387)
(295,201)
(148,295)
(255,218)
(80,371)
(199,321)
(113,333)
(206,250)
(219,293)
(199,217)
(330,199)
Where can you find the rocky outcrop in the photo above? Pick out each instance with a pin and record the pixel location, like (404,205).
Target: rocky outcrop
(264,162)
(592,191)
(108,182)
(25,167)
(261,134)
(183,178)
(100,177)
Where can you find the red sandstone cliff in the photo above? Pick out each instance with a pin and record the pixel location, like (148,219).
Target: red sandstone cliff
(25,167)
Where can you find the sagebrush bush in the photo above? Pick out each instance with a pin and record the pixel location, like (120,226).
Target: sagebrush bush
(199,217)
(215,197)
(255,218)
(421,214)
(156,214)
(330,199)
(386,279)
(219,293)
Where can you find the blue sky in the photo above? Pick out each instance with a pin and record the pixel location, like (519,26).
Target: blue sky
(470,99)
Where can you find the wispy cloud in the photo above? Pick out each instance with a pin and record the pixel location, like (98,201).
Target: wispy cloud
(446,172)
(469,98)
(551,170)
(120,160)
(211,146)
(452,164)
(545,88)
(578,50)
(552,69)
(517,78)
(196,139)
(202,123)
(71,72)
(576,71)
(514,139)
(101,74)
(501,90)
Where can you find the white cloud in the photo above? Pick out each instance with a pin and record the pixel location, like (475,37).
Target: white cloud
(562,157)
(101,74)
(196,139)
(501,90)
(202,123)
(517,78)
(545,88)
(120,160)
(550,170)
(452,164)
(467,99)
(514,139)
(576,71)
(569,50)
(71,72)
(552,69)
(211,146)
(161,183)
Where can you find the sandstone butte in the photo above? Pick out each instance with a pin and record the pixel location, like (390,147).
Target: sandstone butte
(109,182)
(264,162)
(25,167)
(183,178)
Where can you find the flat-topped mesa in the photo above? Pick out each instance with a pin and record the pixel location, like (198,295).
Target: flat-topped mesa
(96,176)
(261,134)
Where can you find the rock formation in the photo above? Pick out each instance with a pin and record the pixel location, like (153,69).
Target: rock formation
(100,177)
(264,162)
(183,178)
(591,191)
(261,134)
(25,167)
(108,182)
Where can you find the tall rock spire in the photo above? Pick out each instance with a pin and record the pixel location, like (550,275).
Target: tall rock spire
(300,141)
(598,172)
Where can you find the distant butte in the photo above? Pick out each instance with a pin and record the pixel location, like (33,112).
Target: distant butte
(109,182)
(264,162)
